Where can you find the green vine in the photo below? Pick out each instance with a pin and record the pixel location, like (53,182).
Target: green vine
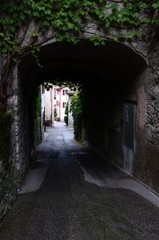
(37,117)
(69,19)
(76,108)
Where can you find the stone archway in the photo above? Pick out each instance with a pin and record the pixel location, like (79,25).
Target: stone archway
(120,74)
(109,73)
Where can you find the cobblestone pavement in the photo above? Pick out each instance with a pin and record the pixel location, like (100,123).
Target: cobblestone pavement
(72,194)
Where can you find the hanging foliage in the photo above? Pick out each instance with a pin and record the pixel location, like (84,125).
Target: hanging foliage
(69,20)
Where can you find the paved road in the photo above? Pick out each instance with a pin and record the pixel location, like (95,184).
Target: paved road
(72,194)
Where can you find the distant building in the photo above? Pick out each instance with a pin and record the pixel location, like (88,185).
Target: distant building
(53,104)
(49,106)
(70,94)
(60,101)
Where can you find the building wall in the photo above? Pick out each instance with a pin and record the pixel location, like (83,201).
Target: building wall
(49,105)
(54,98)
(70,117)
(42,90)
(61,99)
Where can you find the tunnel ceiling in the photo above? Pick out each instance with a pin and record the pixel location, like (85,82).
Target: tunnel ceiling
(83,61)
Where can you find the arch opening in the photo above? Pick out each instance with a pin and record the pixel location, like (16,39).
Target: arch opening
(109,76)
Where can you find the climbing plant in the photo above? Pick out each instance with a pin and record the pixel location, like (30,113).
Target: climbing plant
(23,23)
(76,108)
(66,114)
(37,117)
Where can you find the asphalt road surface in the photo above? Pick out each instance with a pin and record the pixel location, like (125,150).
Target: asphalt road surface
(71,193)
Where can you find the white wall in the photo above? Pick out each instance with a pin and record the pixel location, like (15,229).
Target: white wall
(60,98)
(49,105)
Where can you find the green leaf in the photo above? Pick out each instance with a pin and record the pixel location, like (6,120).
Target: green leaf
(83,12)
(143,5)
(107,23)
(34,34)
(97,40)
(155,5)
(146,20)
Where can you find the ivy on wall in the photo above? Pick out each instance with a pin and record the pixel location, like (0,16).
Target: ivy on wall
(77,109)
(37,117)
(68,20)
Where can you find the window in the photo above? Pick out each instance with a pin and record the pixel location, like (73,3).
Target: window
(64,104)
(54,94)
(64,91)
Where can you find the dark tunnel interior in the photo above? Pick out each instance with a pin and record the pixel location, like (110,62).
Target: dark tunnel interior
(109,74)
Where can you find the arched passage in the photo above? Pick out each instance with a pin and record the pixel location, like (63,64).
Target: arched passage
(109,75)
(113,58)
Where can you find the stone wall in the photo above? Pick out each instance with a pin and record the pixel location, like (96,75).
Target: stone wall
(146,165)
(8,170)
(142,161)
(8,176)
(15,144)
(1,63)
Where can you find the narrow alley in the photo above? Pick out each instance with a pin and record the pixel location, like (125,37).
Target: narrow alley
(70,193)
